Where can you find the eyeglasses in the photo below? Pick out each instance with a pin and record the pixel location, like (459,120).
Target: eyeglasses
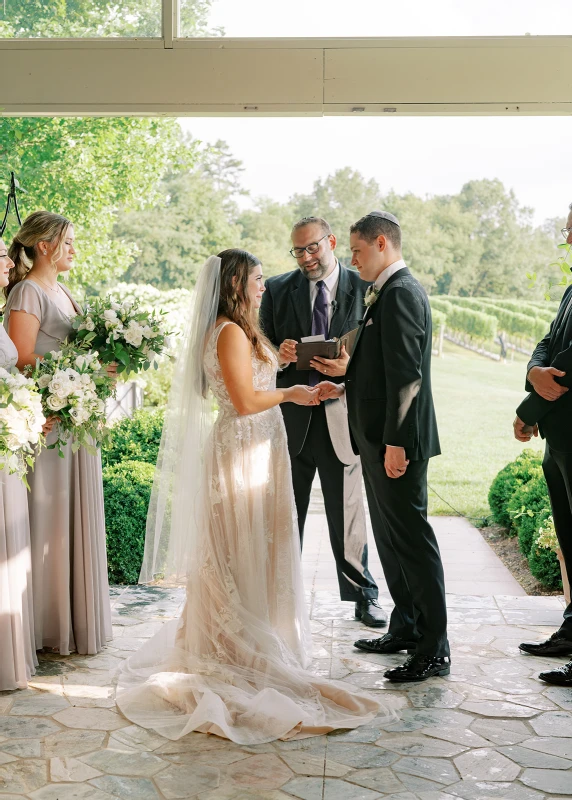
(313,247)
(566,232)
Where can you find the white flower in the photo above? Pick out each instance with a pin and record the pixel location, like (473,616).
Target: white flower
(371,296)
(56,403)
(89,324)
(44,381)
(110,315)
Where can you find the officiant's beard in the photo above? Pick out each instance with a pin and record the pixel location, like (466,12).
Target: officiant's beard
(318,272)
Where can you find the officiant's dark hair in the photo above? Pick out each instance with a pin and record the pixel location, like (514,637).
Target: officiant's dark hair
(371,226)
(234,303)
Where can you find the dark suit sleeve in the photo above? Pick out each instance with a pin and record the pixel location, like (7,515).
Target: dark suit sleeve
(540,356)
(266,316)
(403,332)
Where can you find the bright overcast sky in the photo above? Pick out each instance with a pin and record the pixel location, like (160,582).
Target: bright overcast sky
(430,155)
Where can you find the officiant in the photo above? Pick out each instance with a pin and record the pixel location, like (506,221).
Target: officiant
(323,298)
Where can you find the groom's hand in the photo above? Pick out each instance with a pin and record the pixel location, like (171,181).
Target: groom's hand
(332,367)
(524,432)
(330,391)
(542,379)
(395,461)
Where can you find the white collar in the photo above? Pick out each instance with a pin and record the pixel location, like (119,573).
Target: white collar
(384,276)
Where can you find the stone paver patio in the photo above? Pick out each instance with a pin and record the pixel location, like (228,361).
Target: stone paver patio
(490,730)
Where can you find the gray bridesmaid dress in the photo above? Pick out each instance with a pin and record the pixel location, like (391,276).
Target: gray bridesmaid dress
(17,646)
(67,524)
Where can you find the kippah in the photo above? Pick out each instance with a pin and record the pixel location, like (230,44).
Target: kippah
(384,215)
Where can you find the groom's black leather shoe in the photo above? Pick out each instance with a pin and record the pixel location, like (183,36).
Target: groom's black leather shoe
(557,645)
(560,677)
(385,644)
(371,613)
(419,667)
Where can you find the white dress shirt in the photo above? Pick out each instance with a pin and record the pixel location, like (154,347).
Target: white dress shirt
(388,272)
(330,288)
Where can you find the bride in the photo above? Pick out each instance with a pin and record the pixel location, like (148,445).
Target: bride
(222,518)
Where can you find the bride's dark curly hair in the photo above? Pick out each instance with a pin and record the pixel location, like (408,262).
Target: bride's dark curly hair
(234,301)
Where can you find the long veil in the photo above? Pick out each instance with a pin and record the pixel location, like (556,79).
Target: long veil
(174,516)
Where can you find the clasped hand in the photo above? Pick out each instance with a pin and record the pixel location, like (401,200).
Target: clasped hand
(542,379)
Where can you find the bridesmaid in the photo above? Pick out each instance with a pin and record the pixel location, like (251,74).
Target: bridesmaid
(67,525)
(17,647)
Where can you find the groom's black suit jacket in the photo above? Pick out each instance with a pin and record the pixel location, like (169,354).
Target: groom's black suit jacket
(286,313)
(554,350)
(388,380)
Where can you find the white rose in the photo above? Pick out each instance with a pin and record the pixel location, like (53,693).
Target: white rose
(89,324)
(81,362)
(115,306)
(44,381)
(55,403)
(110,315)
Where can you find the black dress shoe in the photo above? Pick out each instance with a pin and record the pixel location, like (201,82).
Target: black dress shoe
(371,613)
(560,677)
(557,645)
(385,644)
(419,667)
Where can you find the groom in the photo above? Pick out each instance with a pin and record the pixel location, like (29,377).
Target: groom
(393,427)
(323,297)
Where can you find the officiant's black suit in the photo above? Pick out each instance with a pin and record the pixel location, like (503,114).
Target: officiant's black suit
(554,420)
(318,436)
(388,388)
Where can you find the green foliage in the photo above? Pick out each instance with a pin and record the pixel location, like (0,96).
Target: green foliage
(266,233)
(474,323)
(191,219)
(529,508)
(545,567)
(515,474)
(126,490)
(83,18)
(135,438)
(85,168)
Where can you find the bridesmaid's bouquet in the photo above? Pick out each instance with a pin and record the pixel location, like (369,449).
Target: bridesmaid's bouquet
(21,421)
(121,332)
(74,387)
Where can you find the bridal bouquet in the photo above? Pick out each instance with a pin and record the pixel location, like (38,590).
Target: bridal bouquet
(73,387)
(121,332)
(21,421)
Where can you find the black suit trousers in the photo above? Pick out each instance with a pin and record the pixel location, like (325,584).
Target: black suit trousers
(409,555)
(557,469)
(342,491)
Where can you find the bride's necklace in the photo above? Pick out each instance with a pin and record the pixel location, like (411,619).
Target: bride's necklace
(56,290)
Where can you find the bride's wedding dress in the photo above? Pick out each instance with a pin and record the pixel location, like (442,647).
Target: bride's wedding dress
(236,663)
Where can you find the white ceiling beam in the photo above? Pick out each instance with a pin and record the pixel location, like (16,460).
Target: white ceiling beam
(420,76)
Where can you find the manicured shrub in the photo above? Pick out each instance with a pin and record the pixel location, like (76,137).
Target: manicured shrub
(135,438)
(529,508)
(515,474)
(545,567)
(126,490)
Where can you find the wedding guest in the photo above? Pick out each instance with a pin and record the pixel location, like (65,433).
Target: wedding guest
(323,297)
(547,409)
(67,524)
(17,647)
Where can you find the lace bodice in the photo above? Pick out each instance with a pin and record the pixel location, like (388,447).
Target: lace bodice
(8,352)
(264,374)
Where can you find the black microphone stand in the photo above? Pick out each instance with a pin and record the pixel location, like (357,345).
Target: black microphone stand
(12,199)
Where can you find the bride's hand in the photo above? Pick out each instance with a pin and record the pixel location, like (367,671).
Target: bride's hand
(49,424)
(303,395)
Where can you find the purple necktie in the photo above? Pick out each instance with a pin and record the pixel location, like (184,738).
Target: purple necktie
(319,324)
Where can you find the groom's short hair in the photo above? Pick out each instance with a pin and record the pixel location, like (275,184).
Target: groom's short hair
(324,226)
(378,223)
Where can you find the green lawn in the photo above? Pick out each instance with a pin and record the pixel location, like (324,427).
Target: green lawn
(475,399)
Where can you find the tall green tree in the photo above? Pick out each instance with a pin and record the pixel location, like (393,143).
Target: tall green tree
(191,220)
(95,18)
(265,231)
(87,169)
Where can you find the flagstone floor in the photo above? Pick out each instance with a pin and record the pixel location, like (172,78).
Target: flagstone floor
(489,730)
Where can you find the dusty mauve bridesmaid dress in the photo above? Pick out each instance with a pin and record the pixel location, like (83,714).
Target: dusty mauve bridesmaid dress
(17,647)
(67,524)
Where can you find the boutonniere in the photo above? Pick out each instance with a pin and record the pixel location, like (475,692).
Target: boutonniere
(371,296)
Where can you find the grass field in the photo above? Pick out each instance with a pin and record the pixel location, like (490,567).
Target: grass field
(475,399)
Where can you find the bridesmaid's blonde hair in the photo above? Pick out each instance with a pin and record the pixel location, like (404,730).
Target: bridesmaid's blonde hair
(234,302)
(41,226)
